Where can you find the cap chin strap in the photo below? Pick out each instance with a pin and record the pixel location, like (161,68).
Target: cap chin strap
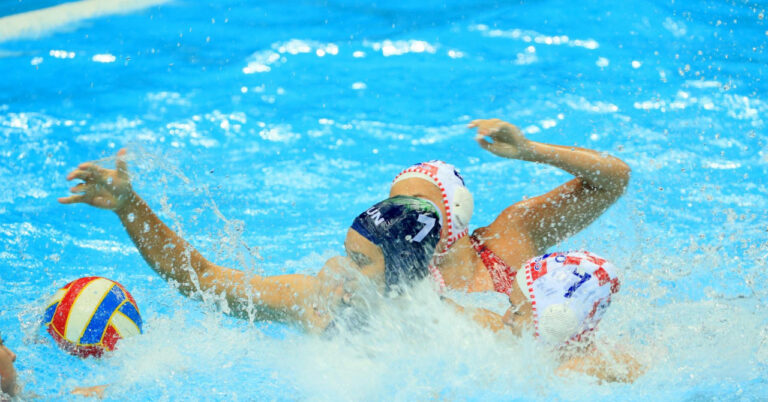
(437,277)
(523,282)
(433,271)
(463,206)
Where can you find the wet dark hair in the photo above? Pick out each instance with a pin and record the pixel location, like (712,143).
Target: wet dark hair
(407,230)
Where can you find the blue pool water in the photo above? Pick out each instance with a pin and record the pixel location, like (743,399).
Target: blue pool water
(260,130)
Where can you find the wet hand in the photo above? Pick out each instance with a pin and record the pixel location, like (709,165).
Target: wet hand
(508,140)
(101,188)
(90,392)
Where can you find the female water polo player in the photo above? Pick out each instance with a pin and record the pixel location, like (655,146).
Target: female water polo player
(391,244)
(561,297)
(488,259)
(310,300)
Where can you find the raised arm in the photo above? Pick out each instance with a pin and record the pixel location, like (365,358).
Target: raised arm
(281,298)
(600,179)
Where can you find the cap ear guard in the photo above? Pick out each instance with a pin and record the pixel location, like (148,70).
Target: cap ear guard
(558,323)
(463,206)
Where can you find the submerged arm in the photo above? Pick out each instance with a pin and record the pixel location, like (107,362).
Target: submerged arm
(614,366)
(485,318)
(611,367)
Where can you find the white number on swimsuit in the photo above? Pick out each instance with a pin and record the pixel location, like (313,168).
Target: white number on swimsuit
(429,223)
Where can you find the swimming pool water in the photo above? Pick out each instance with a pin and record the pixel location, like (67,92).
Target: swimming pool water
(261,130)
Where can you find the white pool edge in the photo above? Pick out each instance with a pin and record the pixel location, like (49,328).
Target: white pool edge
(37,23)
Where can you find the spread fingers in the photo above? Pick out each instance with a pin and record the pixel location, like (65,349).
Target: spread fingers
(80,188)
(485,144)
(87,171)
(72,199)
(80,174)
(120,163)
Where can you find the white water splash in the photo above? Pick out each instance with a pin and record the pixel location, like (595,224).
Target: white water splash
(264,60)
(401,47)
(529,36)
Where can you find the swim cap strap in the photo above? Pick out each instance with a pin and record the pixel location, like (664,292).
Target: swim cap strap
(437,277)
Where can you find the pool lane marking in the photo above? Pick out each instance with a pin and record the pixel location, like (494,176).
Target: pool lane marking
(33,24)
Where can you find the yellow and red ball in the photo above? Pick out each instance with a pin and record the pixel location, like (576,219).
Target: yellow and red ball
(89,315)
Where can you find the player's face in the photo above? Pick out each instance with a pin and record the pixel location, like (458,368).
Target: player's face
(366,256)
(7,371)
(347,278)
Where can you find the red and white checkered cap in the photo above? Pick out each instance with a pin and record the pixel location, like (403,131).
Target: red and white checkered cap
(569,293)
(457,199)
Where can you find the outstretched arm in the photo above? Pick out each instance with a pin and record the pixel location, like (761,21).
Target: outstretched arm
(282,298)
(600,179)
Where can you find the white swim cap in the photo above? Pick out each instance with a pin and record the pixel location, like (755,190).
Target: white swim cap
(569,293)
(456,197)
